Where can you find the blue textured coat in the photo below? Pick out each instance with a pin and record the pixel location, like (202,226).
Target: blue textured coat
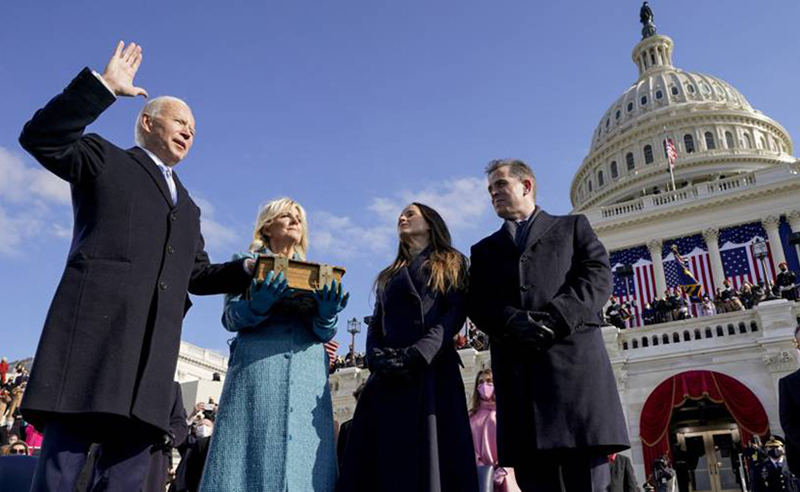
(274,430)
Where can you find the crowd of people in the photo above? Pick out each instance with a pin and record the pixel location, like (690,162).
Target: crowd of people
(676,304)
(15,433)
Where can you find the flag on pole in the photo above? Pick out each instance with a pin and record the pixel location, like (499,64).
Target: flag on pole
(671,153)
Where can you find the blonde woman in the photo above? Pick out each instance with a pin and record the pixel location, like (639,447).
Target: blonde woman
(274,429)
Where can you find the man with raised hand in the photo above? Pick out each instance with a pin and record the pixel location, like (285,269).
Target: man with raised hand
(105,363)
(537,288)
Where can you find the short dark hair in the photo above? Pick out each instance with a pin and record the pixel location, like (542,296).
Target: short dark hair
(517,168)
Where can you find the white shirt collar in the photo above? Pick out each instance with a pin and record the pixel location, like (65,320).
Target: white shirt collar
(155,158)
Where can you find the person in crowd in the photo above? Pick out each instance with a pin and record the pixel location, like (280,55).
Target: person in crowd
(789,410)
(759,292)
(614,313)
(17,392)
(19,448)
(623,479)
(194,453)
(33,438)
(746,295)
(661,308)
(772,474)
(707,306)
(5,400)
(109,347)
(3,370)
(786,282)
(663,477)
(483,421)
(648,314)
(411,429)
(274,429)
(729,297)
(754,454)
(537,287)
(344,429)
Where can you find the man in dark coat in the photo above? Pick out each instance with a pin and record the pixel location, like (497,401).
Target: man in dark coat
(772,475)
(537,288)
(789,405)
(622,477)
(108,351)
(786,282)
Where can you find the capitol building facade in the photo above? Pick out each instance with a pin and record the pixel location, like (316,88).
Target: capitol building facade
(698,388)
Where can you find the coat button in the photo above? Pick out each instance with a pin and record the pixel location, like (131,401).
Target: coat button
(524,287)
(173,216)
(163,286)
(170,249)
(523,259)
(288,356)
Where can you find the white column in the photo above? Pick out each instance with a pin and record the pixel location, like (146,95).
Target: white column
(711,236)
(654,246)
(771,224)
(793,217)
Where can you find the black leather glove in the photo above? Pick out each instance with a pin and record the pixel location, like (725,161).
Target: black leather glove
(382,361)
(523,327)
(410,358)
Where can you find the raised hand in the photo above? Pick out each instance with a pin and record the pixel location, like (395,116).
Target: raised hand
(122,68)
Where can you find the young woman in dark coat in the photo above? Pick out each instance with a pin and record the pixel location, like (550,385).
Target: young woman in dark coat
(411,431)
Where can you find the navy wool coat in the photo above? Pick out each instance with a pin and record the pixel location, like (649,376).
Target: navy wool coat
(413,433)
(110,341)
(564,398)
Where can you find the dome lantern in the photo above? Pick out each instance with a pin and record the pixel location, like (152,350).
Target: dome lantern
(652,54)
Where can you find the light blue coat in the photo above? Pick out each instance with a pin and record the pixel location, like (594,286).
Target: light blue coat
(274,429)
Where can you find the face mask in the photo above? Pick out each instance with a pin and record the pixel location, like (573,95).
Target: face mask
(203,431)
(486,391)
(775,453)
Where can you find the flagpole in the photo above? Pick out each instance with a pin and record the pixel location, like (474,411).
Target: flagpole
(671,173)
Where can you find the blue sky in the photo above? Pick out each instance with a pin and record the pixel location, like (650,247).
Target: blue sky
(354,109)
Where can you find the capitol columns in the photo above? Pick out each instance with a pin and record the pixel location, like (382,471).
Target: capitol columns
(793,218)
(654,246)
(711,236)
(771,224)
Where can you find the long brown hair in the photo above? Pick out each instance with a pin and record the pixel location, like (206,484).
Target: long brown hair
(476,398)
(445,266)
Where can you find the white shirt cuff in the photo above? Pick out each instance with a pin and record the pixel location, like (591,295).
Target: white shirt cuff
(105,84)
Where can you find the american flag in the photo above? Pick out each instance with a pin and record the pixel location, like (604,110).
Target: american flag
(694,252)
(671,153)
(738,260)
(641,288)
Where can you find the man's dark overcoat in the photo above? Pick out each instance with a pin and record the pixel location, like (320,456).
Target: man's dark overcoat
(110,342)
(413,434)
(623,478)
(564,398)
(789,407)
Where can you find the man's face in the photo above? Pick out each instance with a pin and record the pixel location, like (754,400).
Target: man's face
(169,134)
(512,198)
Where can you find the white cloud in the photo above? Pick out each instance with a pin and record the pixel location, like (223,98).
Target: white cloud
(217,236)
(33,204)
(23,184)
(462,202)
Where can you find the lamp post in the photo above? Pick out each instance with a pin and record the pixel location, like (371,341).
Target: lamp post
(353,328)
(761,251)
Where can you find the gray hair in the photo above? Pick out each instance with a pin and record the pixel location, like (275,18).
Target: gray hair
(517,168)
(153,108)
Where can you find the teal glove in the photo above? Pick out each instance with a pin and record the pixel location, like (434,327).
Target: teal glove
(330,301)
(264,295)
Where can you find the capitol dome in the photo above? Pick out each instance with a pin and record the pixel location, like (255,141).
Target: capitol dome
(717,133)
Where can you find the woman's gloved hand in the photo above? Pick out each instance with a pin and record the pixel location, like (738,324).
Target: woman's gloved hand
(331,300)
(264,295)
